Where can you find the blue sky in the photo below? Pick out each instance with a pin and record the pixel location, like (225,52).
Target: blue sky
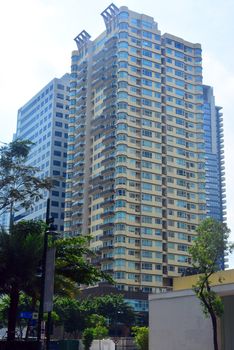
(36,39)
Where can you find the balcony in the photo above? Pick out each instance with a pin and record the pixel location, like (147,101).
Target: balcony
(80,127)
(108,138)
(98,120)
(107,202)
(96,179)
(96,189)
(108,170)
(109,149)
(98,129)
(107,160)
(77,204)
(108,192)
(78,194)
(79,165)
(107,225)
(110,88)
(98,73)
(78,183)
(108,213)
(107,257)
(108,180)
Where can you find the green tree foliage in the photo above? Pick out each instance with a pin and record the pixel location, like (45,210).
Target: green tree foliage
(207,254)
(87,338)
(96,330)
(4,306)
(96,320)
(100,332)
(71,264)
(113,307)
(19,184)
(76,315)
(141,337)
(20,257)
(20,253)
(71,315)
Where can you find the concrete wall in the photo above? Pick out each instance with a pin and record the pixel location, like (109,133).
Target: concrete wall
(218,278)
(177,323)
(227,323)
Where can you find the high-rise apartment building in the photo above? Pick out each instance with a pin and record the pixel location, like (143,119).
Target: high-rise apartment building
(136,155)
(44,121)
(215,169)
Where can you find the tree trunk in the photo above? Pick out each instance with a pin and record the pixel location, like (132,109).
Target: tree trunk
(215,333)
(12,313)
(34,301)
(27,330)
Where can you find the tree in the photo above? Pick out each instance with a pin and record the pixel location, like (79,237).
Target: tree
(71,315)
(20,257)
(97,330)
(77,315)
(141,337)
(18,183)
(98,325)
(114,308)
(70,261)
(25,303)
(207,254)
(87,338)
(20,254)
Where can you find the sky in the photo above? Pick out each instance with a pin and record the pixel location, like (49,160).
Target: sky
(36,38)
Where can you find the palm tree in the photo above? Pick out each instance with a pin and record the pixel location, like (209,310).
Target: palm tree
(20,255)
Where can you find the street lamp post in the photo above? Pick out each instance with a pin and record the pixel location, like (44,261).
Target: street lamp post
(44,276)
(42,294)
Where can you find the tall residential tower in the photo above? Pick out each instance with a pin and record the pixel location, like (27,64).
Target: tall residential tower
(136,155)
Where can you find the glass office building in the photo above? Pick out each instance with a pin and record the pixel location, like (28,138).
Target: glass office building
(214,147)
(44,121)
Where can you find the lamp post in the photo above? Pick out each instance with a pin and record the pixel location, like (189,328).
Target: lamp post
(116,337)
(47,257)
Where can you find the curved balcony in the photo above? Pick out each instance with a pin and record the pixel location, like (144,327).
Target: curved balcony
(107,202)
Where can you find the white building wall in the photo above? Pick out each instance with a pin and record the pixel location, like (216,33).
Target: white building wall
(177,323)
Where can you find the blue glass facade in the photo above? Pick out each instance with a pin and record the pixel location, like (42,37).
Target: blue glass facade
(44,121)
(215,181)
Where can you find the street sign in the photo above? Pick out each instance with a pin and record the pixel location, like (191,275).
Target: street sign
(26,314)
(35,315)
(49,280)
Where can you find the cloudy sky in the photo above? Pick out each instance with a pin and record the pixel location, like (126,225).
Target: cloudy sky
(36,38)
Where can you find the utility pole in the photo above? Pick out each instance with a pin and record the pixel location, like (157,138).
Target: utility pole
(42,295)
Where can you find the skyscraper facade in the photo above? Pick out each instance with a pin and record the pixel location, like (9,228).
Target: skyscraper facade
(44,121)
(4,220)
(214,147)
(136,155)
